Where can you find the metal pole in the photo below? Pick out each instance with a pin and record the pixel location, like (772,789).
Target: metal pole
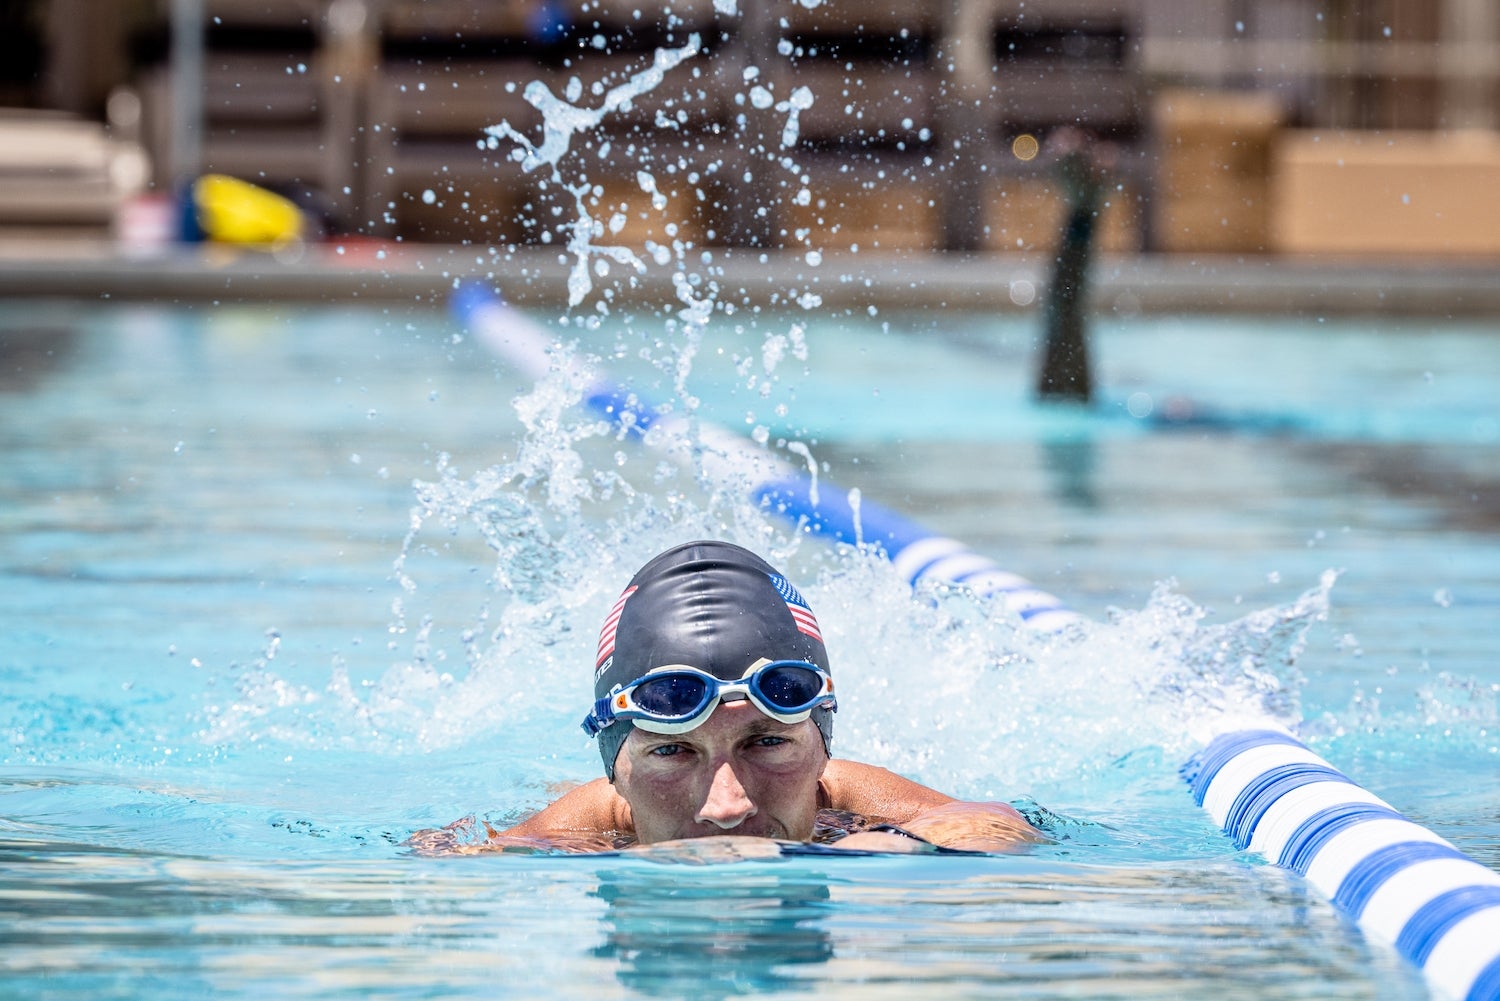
(1066,374)
(187,90)
(963,121)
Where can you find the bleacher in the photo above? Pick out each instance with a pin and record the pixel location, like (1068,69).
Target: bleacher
(62,178)
(929,129)
(384,114)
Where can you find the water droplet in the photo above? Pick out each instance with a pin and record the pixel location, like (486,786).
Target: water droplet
(429,196)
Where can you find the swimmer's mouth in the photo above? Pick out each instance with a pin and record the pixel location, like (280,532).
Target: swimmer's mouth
(745,830)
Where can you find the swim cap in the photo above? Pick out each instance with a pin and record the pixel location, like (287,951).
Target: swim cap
(709,605)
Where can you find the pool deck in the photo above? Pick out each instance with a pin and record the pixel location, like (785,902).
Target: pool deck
(537,277)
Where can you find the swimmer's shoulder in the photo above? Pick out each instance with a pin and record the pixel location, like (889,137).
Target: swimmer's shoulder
(593,807)
(873,791)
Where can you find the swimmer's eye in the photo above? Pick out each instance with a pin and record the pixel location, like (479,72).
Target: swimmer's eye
(665,750)
(769,740)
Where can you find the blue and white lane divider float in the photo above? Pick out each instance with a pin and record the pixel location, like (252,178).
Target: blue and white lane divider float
(1402,884)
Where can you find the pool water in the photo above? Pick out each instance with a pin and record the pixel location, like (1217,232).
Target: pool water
(287,584)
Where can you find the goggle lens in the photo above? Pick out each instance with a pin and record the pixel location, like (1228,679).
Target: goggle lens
(671,696)
(675,700)
(789,686)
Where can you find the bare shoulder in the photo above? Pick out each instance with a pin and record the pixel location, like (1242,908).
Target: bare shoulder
(592,808)
(588,818)
(877,792)
(924,813)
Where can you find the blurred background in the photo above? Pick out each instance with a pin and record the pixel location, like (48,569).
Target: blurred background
(1284,127)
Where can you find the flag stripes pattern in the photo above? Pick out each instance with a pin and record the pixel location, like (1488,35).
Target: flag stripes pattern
(611,625)
(797,605)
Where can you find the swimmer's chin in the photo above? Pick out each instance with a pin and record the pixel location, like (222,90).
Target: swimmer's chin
(756,827)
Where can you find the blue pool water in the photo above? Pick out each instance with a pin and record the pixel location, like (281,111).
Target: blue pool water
(285,584)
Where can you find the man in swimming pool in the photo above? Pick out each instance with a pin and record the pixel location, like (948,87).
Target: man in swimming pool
(714,716)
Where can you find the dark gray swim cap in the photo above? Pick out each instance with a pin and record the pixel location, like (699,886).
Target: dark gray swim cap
(709,605)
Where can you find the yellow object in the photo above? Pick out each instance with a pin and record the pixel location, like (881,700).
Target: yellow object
(234,211)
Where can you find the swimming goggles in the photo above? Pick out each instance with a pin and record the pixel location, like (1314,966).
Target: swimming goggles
(678,699)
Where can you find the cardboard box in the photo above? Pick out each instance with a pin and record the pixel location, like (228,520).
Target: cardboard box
(1389,193)
(1213,179)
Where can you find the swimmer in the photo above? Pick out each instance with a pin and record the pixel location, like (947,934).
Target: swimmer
(714,716)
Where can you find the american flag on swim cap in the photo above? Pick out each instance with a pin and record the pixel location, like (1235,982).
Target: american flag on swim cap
(797,605)
(611,626)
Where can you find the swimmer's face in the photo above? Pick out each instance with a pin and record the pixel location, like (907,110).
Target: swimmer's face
(739,773)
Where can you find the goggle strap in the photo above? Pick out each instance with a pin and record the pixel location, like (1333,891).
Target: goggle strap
(601,716)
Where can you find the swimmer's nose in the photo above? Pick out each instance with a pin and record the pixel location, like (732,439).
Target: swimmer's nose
(727,805)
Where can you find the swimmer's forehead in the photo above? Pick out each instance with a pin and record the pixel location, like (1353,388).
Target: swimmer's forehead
(711,606)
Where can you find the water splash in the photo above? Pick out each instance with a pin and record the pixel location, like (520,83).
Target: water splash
(564,120)
(950,686)
(938,684)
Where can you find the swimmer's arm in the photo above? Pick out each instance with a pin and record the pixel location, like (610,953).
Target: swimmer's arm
(925,813)
(876,792)
(975,827)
